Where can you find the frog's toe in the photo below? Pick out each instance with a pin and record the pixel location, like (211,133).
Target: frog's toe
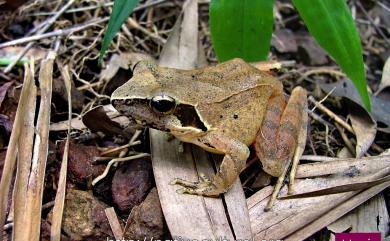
(203,188)
(183,190)
(204,178)
(184,183)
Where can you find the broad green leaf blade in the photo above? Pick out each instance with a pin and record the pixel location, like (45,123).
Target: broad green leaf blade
(120,12)
(331,24)
(241,28)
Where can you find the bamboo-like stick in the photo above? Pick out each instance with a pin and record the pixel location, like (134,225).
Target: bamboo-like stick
(58,209)
(10,158)
(37,176)
(24,164)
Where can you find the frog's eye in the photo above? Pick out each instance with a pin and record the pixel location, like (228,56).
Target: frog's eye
(163,104)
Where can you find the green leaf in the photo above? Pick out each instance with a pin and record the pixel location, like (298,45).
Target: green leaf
(241,28)
(120,12)
(7,61)
(331,24)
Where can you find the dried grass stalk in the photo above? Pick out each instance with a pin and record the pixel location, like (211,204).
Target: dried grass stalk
(37,176)
(337,212)
(59,202)
(115,225)
(10,159)
(24,164)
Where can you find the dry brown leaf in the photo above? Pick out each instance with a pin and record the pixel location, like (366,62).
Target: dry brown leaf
(385,81)
(344,153)
(348,166)
(77,123)
(288,216)
(3,90)
(368,217)
(283,40)
(182,49)
(364,127)
(124,61)
(97,119)
(337,212)
(345,88)
(356,186)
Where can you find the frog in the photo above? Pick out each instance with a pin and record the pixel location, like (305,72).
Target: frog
(224,109)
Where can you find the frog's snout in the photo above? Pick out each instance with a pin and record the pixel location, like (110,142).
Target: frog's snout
(117,102)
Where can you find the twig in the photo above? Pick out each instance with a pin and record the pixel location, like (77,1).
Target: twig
(115,225)
(134,24)
(315,158)
(278,186)
(331,114)
(318,118)
(378,30)
(45,25)
(41,31)
(88,8)
(347,142)
(119,148)
(100,96)
(59,32)
(383,6)
(324,70)
(116,160)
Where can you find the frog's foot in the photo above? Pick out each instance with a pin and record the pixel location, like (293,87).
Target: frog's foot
(204,187)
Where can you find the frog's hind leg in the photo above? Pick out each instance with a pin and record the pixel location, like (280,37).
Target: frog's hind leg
(277,141)
(236,154)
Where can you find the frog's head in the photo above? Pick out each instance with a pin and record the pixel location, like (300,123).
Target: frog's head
(152,97)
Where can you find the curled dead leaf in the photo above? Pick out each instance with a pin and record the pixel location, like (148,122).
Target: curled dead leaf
(344,88)
(385,81)
(96,120)
(364,127)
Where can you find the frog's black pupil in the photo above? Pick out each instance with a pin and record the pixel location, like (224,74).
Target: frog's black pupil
(162,105)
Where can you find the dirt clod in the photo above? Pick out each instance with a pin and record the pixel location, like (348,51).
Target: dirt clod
(146,220)
(131,183)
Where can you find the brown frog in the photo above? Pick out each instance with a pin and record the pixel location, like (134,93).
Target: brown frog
(223,108)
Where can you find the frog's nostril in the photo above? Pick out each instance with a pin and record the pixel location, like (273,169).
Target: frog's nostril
(117,103)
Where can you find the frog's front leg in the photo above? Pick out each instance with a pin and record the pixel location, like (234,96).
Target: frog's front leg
(236,154)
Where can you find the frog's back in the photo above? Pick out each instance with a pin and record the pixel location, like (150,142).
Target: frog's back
(240,114)
(212,83)
(234,75)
